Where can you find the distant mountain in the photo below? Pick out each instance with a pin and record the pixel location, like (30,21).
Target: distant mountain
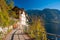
(51,18)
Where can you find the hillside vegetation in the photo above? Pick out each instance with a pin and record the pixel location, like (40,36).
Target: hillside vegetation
(5,6)
(36,29)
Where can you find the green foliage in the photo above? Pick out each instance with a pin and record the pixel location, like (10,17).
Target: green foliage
(10,3)
(37,30)
(4,19)
(4,14)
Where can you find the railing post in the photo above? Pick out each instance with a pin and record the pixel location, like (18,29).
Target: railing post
(56,38)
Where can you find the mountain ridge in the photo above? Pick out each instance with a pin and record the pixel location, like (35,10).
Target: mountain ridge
(51,18)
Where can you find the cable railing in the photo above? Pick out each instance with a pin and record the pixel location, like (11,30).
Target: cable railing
(55,36)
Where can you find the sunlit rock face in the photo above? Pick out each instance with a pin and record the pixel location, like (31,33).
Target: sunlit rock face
(23,19)
(1,30)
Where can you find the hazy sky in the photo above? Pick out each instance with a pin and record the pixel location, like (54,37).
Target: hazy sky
(38,4)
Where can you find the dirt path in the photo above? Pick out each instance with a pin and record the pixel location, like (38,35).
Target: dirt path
(17,35)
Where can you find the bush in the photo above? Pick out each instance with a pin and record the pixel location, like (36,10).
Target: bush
(37,30)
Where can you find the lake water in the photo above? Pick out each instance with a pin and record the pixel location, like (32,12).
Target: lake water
(53,28)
